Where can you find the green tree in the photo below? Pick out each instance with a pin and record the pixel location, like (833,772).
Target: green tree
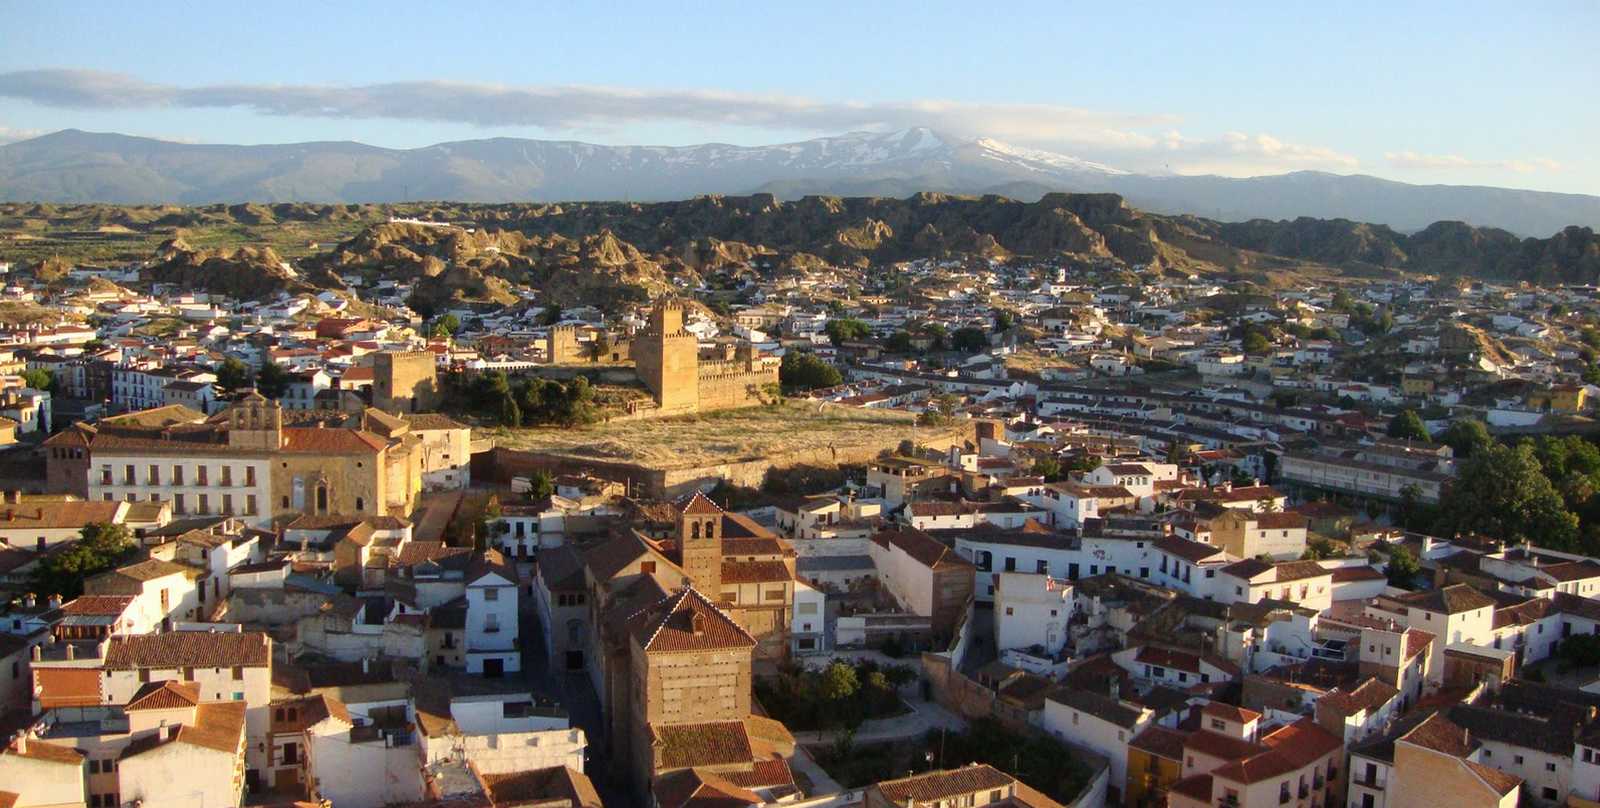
(272,380)
(1408,426)
(551,315)
(39,379)
(234,374)
(845,329)
(1466,437)
(1503,492)
(1256,343)
(542,484)
(1402,568)
(1047,467)
(802,370)
(1003,321)
(899,342)
(445,325)
(100,547)
(510,413)
(1581,650)
(969,340)
(941,410)
(839,682)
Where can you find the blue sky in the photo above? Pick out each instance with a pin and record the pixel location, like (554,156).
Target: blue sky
(1476,93)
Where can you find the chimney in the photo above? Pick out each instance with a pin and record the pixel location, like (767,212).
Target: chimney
(72,651)
(38,653)
(55,601)
(30,600)
(22,742)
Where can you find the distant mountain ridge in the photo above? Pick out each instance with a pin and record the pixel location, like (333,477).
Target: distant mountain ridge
(72,166)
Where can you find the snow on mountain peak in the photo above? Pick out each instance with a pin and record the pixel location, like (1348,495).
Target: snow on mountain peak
(1037,159)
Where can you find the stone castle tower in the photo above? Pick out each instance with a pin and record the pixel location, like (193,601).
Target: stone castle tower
(667,358)
(405,381)
(700,538)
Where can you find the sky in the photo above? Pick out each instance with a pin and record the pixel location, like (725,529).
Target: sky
(1462,93)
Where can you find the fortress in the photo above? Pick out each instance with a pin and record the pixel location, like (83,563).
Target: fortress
(668,360)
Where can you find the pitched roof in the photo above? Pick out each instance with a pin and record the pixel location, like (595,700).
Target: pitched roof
(196,649)
(939,785)
(166,695)
(46,752)
(701,788)
(698,504)
(57,515)
(686,621)
(709,743)
(927,550)
(1440,734)
(1452,599)
(545,787)
(1102,707)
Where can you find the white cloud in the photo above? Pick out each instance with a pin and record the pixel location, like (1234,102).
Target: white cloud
(1414,161)
(10,134)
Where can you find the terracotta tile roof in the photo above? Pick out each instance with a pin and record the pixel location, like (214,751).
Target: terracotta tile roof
(432,421)
(1217,745)
(1441,735)
(197,649)
(697,504)
(686,621)
(1369,696)
(164,696)
(68,687)
(1498,780)
(57,515)
(711,743)
(763,774)
(321,440)
(941,785)
(1161,742)
(36,749)
(1298,570)
(1302,743)
(1102,707)
(1229,712)
(556,785)
(928,551)
(701,788)
(1193,552)
(750,572)
(1452,599)
(762,546)
(101,605)
(1360,573)
(1196,787)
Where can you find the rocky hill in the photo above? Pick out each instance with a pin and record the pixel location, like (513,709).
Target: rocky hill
(612,252)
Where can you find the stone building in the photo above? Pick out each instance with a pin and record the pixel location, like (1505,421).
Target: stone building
(405,381)
(245,462)
(691,669)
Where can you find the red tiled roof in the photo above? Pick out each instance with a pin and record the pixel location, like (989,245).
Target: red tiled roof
(711,743)
(940,785)
(164,696)
(686,621)
(196,649)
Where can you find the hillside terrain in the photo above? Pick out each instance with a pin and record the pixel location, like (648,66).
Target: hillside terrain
(595,252)
(72,166)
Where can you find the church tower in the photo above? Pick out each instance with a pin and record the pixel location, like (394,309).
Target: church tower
(668,359)
(255,423)
(700,539)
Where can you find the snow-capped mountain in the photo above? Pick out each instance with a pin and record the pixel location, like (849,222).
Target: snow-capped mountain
(75,166)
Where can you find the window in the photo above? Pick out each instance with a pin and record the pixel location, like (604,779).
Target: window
(1549,793)
(1042,567)
(238,696)
(647,567)
(155,474)
(238,673)
(1010,612)
(180,503)
(250,505)
(200,475)
(127,474)
(249,475)
(1519,760)
(1011,564)
(1549,767)
(227,475)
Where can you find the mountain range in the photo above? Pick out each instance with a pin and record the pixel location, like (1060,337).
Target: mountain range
(73,166)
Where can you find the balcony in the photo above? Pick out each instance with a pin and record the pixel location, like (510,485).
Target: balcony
(1305,791)
(1316,781)
(1373,783)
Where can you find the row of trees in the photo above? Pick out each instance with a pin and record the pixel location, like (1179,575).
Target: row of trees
(1545,490)
(525,402)
(99,548)
(272,380)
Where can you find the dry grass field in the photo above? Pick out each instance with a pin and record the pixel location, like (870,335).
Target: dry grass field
(728,436)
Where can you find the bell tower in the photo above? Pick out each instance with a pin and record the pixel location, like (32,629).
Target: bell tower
(700,539)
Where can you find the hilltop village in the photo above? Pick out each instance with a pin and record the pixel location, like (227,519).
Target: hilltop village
(937,533)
